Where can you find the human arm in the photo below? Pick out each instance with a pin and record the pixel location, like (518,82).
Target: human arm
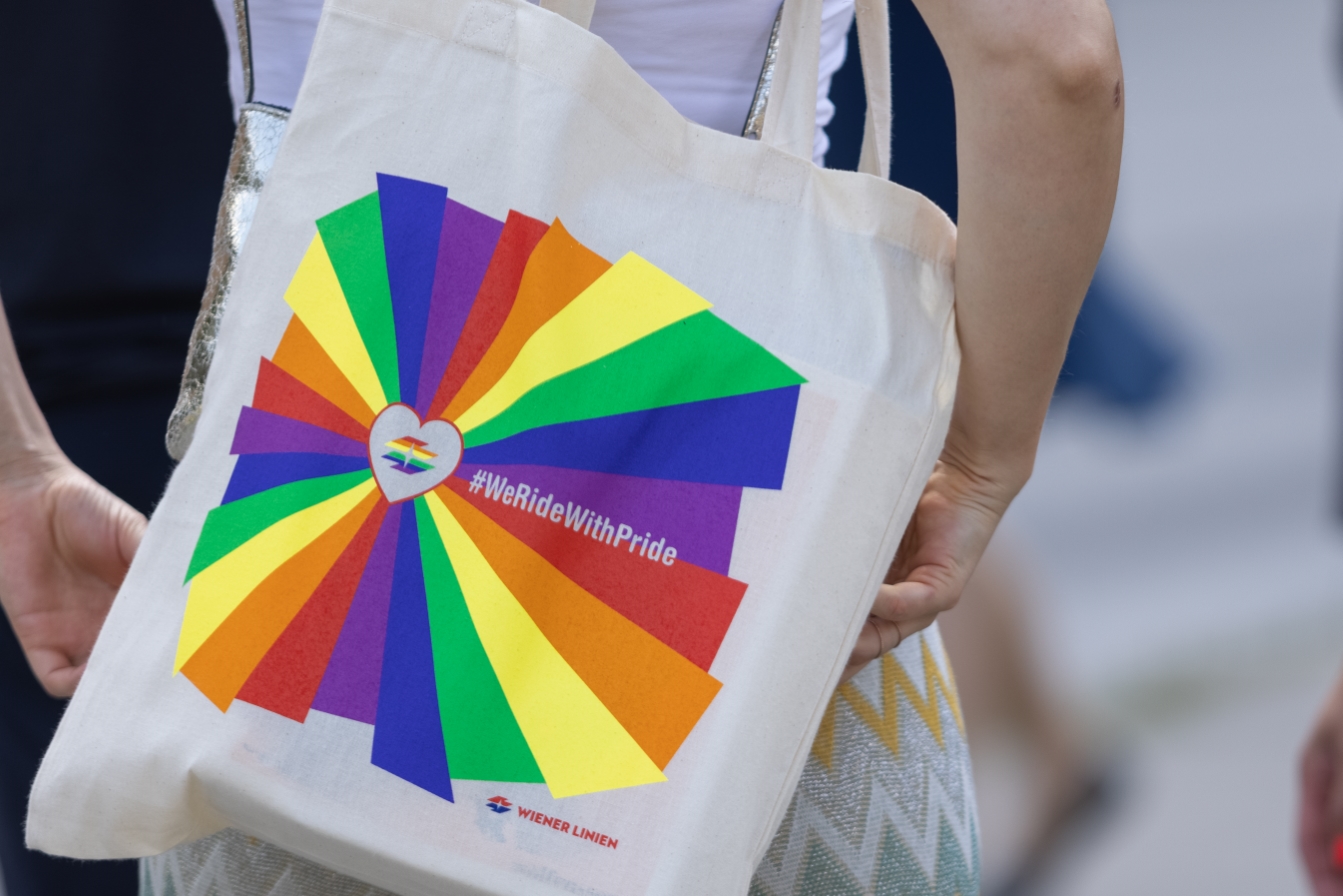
(65,541)
(1039,121)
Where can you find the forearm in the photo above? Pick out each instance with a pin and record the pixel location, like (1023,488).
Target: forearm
(65,541)
(25,441)
(1039,116)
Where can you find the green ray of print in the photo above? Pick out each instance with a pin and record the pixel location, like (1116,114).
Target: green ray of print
(482,738)
(352,235)
(694,359)
(231,525)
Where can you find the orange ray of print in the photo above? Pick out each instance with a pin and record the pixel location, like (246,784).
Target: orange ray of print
(654,692)
(221,665)
(301,356)
(279,392)
(559,269)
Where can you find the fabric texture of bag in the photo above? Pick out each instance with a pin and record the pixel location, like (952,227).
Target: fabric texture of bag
(512,556)
(886,805)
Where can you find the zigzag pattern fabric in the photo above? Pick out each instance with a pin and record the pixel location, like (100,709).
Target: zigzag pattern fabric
(886,803)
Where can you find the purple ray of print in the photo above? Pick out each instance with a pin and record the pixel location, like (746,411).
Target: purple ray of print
(699,518)
(465,247)
(408,731)
(350,686)
(261,432)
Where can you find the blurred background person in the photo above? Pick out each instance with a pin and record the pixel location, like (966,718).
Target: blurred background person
(1320,822)
(117,129)
(1320,818)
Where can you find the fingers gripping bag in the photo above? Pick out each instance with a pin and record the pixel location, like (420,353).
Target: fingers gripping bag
(552,452)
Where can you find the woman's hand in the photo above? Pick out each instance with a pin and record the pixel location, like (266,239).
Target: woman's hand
(953,522)
(1039,128)
(65,545)
(65,541)
(1320,822)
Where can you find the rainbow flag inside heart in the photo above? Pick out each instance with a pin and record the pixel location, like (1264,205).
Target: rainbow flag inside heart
(485,500)
(410,455)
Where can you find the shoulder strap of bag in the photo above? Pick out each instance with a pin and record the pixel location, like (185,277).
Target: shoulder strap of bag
(874,45)
(784,111)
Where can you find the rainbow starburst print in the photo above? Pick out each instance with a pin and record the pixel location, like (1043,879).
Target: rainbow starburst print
(485,499)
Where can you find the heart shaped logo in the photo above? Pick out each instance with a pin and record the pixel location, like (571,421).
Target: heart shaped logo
(410,457)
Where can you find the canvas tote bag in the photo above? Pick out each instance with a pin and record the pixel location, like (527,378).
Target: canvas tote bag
(553,450)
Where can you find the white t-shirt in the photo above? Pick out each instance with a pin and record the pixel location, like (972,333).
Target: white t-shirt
(704,56)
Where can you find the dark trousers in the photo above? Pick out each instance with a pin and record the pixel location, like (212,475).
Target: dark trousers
(119,443)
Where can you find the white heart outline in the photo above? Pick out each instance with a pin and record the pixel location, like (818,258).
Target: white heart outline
(422,423)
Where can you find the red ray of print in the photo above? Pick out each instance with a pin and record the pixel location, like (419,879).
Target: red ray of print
(684,606)
(654,692)
(281,393)
(221,666)
(493,302)
(288,676)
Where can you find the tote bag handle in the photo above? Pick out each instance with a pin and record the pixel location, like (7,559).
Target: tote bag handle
(787,90)
(787,93)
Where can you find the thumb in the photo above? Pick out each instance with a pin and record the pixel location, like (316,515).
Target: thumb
(95,530)
(130,528)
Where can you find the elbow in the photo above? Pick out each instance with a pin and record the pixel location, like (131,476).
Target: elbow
(1083,68)
(1064,49)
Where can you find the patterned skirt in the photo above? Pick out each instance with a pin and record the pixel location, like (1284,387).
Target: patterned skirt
(885,807)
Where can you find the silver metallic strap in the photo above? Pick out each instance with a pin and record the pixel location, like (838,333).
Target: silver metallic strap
(243,22)
(755,118)
(255,144)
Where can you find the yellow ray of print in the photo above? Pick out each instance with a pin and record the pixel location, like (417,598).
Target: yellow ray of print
(578,745)
(220,588)
(631,300)
(317,299)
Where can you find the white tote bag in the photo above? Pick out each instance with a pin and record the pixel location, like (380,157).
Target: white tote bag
(552,454)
